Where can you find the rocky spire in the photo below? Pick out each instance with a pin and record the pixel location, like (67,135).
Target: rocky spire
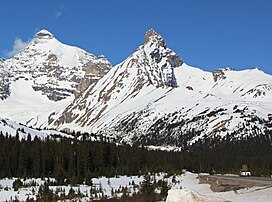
(151,35)
(161,59)
(148,34)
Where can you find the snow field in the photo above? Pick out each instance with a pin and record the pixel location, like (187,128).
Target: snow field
(184,188)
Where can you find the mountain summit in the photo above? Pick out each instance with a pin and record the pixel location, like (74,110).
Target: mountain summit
(159,58)
(153,35)
(44,34)
(50,63)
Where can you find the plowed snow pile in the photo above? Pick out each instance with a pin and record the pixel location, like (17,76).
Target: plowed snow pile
(187,195)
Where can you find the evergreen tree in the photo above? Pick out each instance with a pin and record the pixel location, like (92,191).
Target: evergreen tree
(147,189)
(45,194)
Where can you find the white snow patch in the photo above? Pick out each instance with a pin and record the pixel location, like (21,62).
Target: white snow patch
(187,195)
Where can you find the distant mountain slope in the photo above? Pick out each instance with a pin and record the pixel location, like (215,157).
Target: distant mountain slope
(153,97)
(45,77)
(14,129)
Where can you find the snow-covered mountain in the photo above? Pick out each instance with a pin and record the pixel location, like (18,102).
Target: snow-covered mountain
(153,97)
(45,77)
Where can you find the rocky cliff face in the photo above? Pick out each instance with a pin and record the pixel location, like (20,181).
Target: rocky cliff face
(219,74)
(4,81)
(94,70)
(159,59)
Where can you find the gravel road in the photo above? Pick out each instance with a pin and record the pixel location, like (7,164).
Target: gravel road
(221,183)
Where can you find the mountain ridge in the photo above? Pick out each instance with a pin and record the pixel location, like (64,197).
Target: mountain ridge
(153,97)
(137,99)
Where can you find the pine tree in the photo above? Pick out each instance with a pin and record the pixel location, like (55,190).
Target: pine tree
(147,189)
(45,194)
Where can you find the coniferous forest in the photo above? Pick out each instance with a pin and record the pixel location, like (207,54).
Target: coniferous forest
(75,161)
(79,160)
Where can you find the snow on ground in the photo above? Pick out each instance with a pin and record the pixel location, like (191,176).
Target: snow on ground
(116,182)
(163,148)
(187,195)
(107,185)
(7,193)
(184,186)
(12,128)
(189,181)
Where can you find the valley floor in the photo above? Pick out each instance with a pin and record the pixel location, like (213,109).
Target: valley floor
(115,186)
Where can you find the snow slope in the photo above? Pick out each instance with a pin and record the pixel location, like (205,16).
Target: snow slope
(25,104)
(12,128)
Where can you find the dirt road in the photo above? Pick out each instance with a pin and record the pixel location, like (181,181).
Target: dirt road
(221,183)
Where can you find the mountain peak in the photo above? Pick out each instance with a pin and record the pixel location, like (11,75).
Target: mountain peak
(151,34)
(44,34)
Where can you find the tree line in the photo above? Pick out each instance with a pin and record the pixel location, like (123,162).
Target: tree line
(77,160)
(227,154)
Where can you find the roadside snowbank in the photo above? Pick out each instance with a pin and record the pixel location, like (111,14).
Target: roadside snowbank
(187,195)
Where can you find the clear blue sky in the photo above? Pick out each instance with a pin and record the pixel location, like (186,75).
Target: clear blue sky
(205,33)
